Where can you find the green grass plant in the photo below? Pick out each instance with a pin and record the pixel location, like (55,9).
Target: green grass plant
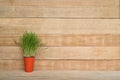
(29,43)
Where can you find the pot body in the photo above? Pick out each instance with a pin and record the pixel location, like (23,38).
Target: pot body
(29,64)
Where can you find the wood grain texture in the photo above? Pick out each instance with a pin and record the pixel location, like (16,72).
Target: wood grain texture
(64,53)
(91,40)
(16,26)
(58,3)
(83,65)
(60,8)
(58,40)
(80,34)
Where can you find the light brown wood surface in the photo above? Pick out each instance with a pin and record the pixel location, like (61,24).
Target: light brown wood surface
(60,75)
(16,26)
(60,8)
(82,65)
(58,40)
(79,34)
(59,3)
(65,53)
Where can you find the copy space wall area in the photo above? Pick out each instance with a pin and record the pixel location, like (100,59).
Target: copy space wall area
(79,34)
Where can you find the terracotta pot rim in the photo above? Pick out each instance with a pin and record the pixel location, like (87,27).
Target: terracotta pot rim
(29,57)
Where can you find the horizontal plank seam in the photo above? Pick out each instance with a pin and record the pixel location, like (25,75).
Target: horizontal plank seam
(69,46)
(68,59)
(61,17)
(60,34)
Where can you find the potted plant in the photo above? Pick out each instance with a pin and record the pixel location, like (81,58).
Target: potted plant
(29,43)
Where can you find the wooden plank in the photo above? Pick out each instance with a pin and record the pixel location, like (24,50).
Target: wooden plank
(68,40)
(58,3)
(47,40)
(82,12)
(91,40)
(83,65)
(60,75)
(16,26)
(60,8)
(64,53)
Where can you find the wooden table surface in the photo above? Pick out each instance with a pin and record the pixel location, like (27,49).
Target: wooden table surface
(60,75)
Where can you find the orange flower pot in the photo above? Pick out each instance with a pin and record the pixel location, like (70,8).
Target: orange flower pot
(29,63)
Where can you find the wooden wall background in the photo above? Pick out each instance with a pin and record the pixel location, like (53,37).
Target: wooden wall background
(79,34)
